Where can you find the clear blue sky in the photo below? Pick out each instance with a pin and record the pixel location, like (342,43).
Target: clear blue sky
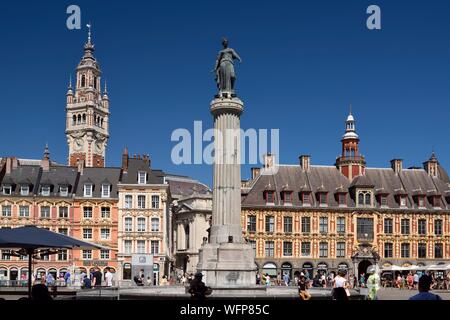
(304,63)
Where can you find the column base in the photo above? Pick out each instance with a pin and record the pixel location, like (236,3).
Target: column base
(227,264)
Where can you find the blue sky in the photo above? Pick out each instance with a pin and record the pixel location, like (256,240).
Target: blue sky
(304,62)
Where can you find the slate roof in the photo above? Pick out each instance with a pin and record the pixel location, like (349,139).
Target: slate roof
(328,178)
(35,177)
(97,176)
(134,166)
(184,187)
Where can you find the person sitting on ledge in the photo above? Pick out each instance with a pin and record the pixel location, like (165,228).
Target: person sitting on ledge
(198,289)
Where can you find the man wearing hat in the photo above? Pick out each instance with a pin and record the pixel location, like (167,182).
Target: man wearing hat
(373,283)
(198,289)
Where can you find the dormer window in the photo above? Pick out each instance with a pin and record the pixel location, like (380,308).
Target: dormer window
(88,190)
(342,199)
(364,198)
(286,197)
(436,201)
(269,196)
(305,198)
(403,200)
(421,201)
(7,190)
(142,177)
(45,191)
(63,191)
(24,190)
(322,199)
(105,190)
(383,200)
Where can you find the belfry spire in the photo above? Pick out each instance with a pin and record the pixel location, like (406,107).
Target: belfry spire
(350,163)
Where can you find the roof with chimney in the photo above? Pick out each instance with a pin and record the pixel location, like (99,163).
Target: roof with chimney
(328,179)
(138,164)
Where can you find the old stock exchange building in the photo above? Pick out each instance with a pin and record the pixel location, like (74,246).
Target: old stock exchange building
(346,216)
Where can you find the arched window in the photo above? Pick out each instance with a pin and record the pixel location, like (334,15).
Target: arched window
(84,117)
(101,123)
(74,120)
(83,80)
(126,271)
(79,119)
(368,199)
(361,198)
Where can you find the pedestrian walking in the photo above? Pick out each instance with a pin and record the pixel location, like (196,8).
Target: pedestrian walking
(50,280)
(286,279)
(267,280)
(410,281)
(97,278)
(340,286)
(108,278)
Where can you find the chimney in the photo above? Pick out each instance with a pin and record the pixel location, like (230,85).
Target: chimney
(255,172)
(269,160)
(397,165)
(146,159)
(80,166)
(8,165)
(125,159)
(305,162)
(431,166)
(15,163)
(45,162)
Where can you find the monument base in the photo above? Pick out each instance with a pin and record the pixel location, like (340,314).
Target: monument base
(227,264)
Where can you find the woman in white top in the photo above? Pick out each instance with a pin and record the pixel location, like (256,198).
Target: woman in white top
(340,284)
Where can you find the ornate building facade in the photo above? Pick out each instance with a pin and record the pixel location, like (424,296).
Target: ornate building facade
(74,201)
(144,219)
(322,218)
(87,110)
(191,215)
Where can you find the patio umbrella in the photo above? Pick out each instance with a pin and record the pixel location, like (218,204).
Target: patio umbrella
(436,267)
(30,239)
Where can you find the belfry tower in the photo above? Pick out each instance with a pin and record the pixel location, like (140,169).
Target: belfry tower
(350,163)
(87,113)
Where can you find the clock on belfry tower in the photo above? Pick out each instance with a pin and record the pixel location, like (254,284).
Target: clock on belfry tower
(87,113)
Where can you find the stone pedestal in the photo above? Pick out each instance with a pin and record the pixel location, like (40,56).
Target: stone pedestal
(226,260)
(227,265)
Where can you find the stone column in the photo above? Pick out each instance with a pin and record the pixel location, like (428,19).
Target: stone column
(226,208)
(227,261)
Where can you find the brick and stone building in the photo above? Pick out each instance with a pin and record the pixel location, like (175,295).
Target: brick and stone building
(348,215)
(87,113)
(144,223)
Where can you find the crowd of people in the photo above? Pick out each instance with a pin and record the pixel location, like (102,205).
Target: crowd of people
(410,281)
(87,281)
